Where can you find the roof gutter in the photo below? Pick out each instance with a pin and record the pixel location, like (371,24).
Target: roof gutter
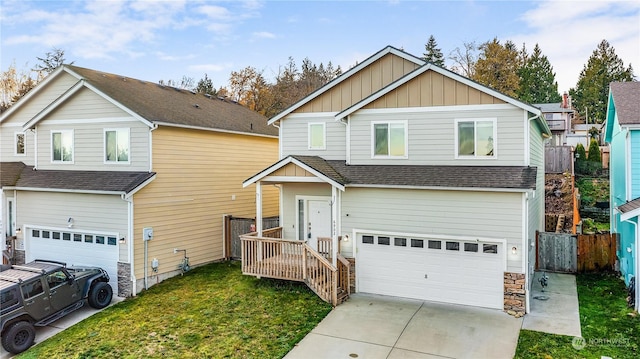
(468,189)
(168,124)
(64,190)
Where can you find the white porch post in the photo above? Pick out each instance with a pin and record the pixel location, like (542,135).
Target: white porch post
(335,217)
(259,208)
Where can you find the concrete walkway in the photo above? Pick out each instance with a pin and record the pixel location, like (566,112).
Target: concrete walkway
(559,313)
(371,326)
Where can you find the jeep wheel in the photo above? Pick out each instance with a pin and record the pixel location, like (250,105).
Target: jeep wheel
(100,295)
(19,337)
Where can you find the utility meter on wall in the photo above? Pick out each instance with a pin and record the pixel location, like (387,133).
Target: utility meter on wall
(147,233)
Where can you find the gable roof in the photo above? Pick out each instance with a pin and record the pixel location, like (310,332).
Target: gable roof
(454,76)
(517,178)
(115,182)
(346,75)
(626,97)
(163,105)
(552,107)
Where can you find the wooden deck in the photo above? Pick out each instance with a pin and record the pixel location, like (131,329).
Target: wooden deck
(272,257)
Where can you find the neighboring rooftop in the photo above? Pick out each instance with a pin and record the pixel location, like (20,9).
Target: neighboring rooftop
(626,97)
(169,105)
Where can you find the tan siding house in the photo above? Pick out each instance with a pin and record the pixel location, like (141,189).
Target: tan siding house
(107,158)
(429,182)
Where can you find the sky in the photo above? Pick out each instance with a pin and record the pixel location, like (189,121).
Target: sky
(166,40)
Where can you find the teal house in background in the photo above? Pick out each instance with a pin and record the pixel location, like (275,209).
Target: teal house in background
(622,132)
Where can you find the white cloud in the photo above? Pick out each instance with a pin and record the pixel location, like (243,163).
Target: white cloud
(264,35)
(569,32)
(166,57)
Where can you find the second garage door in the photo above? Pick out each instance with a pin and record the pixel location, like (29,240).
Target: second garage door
(75,248)
(443,270)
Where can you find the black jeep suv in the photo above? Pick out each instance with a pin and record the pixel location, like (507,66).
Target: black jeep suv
(42,291)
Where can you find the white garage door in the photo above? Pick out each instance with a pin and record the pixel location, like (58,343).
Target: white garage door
(76,249)
(451,271)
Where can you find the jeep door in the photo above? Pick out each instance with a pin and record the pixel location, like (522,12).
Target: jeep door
(36,299)
(63,290)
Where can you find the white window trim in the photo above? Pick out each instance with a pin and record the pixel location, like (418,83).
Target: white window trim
(15,143)
(73,147)
(104,146)
(324,136)
(476,120)
(405,123)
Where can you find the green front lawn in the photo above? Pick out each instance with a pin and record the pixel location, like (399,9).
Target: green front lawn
(609,328)
(212,312)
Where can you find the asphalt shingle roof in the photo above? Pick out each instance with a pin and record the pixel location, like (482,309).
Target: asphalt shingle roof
(626,97)
(630,206)
(164,104)
(109,181)
(499,177)
(10,173)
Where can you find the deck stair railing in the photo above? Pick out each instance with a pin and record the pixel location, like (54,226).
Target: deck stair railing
(295,260)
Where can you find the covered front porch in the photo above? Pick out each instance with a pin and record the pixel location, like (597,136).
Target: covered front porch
(306,247)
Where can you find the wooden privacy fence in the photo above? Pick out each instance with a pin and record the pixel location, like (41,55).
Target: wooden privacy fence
(567,253)
(558,159)
(237,226)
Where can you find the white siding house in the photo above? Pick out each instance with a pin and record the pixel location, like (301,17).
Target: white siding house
(431,183)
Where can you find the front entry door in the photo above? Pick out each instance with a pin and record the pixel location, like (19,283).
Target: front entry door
(318,221)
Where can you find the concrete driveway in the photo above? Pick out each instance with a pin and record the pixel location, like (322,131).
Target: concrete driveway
(46,332)
(371,326)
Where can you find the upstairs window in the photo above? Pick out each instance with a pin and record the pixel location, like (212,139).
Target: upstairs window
(20,149)
(317,136)
(389,139)
(476,138)
(62,146)
(116,145)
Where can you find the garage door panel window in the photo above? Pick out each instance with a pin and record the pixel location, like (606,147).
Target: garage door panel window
(111,241)
(453,246)
(384,241)
(46,234)
(367,239)
(490,248)
(471,247)
(77,237)
(88,238)
(35,233)
(66,236)
(400,242)
(434,244)
(99,239)
(56,235)
(417,243)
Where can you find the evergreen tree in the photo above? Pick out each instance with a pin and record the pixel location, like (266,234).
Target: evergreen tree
(537,80)
(205,86)
(592,90)
(432,53)
(594,151)
(497,67)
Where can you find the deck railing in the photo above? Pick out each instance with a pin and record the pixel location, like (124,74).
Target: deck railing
(325,245)
(295,260)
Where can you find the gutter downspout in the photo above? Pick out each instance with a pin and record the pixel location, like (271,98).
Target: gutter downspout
(636,261)
(155,127)
(130,256)
(35,147)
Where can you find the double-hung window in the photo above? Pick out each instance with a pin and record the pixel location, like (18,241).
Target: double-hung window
(19,144)
(116,149)
(475,138)
(62,146)
(389,139)
(317,136)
